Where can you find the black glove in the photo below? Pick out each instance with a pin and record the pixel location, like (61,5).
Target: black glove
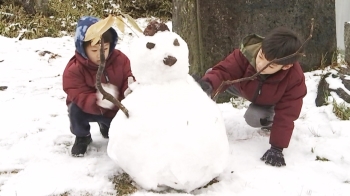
(274,157)
(206,86)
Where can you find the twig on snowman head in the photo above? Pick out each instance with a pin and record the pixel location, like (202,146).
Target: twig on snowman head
(297,53)
(99,87)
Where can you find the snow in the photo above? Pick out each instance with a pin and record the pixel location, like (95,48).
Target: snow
(111,89)
(335,83)
(35,139)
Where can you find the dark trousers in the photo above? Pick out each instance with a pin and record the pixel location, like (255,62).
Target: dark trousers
(256,115)
(79,120)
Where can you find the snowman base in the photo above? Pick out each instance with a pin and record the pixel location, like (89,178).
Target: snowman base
(124,185)
(182,145)
(175,135)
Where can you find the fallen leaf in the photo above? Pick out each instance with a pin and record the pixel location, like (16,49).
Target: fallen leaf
(120,23)
(132,22)
(95,31)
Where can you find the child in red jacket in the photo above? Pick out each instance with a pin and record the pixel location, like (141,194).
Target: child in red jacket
(84,101)
(276,95)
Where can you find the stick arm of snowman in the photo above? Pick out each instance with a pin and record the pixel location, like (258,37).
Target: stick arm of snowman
(94,33)
(99,87)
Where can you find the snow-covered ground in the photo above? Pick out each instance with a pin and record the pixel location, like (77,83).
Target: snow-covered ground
(35,139)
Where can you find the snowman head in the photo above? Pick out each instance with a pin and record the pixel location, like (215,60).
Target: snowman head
(160,58)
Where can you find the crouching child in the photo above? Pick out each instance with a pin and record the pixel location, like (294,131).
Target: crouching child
(276,95)
(84,101)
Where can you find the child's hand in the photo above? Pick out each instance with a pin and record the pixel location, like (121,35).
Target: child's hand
(128,90)
(274,157)
(206,87)
(111,89)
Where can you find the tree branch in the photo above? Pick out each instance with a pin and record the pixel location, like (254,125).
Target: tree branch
(99,87)
(297,53)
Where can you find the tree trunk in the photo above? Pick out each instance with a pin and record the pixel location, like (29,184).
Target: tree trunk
(185,23)
(347,42)
(213,29)
(29,6)
(42,6)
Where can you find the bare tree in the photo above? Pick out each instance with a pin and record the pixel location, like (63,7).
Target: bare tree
(42,6)
(34,6)
(28,6)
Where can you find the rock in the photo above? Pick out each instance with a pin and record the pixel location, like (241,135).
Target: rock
(3,88)
(323,90)
(153,27)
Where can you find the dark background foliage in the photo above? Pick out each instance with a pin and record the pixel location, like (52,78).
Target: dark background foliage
(53,18)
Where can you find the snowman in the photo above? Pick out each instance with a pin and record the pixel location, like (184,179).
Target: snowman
(175,135)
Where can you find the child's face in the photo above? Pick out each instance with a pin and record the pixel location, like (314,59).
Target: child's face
(261,62)
(93,52)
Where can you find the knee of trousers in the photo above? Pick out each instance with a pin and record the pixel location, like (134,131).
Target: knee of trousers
(252,120)
(75,112)
(254,114)
(79,123)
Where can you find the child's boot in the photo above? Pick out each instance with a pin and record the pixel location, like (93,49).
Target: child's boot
(80,145)
(104,129)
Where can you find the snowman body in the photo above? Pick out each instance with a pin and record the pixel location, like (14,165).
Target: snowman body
(175,135)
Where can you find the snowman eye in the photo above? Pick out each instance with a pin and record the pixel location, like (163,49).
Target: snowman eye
(176,42)
(150,45)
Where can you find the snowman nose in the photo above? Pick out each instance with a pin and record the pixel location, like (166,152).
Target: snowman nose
(169,60)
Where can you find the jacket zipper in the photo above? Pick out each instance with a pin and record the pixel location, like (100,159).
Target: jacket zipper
(106,77)
(258,90)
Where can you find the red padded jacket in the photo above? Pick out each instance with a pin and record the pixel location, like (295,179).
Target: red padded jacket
(79,78)
(285,89)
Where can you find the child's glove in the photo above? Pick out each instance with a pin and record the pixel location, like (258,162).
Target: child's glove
(274,157)
(128,90)
(111,89)
(206,86)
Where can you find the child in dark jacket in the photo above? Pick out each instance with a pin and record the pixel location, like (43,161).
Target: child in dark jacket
(84,101)
(276,95)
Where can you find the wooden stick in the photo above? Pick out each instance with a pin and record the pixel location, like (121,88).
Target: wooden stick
(99,87)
